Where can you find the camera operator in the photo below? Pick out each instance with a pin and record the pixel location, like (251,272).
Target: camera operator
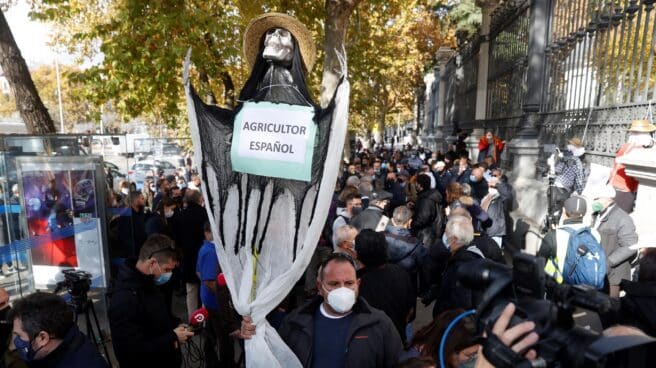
(570,172)
(45,334)
(144,334)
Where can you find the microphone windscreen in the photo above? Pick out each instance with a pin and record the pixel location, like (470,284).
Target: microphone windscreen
(198,317)
(220,280)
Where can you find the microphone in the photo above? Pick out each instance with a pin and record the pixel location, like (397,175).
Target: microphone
(220,279)
(198,318)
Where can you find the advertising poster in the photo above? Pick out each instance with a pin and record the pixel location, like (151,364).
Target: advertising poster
(63,208)
(84,194)
(50,217)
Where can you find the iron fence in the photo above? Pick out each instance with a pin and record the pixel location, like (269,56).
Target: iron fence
(508,61)
(600,54)
(598,69)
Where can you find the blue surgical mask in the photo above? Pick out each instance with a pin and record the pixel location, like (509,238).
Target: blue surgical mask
(445,240)
(472,178)
(24,349)
(163,278)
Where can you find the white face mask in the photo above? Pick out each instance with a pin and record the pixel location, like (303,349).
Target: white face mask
(168,214)
(125,191)
(341,299)
(576,151)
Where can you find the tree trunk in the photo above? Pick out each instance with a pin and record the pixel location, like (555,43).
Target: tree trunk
(29,104)
(210,99)
(338,13)
(228,90)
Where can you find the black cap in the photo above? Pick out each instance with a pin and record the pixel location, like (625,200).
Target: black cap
(575,206)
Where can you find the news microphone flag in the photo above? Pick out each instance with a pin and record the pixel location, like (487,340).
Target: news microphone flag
(198,317)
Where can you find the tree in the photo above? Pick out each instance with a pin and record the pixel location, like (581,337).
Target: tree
(29,104)
(143,43)
(75,108)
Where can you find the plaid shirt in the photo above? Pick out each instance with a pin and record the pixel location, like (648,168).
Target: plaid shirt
(571,174)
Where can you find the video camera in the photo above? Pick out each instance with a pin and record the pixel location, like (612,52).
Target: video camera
(77,283)
(562,343)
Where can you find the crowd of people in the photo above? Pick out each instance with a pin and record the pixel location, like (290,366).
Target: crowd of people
(401,226)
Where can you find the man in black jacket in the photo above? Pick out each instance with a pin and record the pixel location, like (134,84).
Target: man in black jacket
(338,329)
(45,334)
(384,285)
(132,227)
(477,182)
(639,303)
(428,218)
(459,233)
(144,334)
(190,234)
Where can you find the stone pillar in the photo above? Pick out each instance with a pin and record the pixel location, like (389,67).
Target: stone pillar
(483,57)
(481,84)
(641,164)
(525,148)
(443,55)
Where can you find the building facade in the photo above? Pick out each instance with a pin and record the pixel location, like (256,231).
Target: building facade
(539,73)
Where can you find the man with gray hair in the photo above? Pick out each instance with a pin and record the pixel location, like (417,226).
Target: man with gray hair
(457,237)
(345,240)
(404,249)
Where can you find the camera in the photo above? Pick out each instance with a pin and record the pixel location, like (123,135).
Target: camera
(77,283)
(539,298)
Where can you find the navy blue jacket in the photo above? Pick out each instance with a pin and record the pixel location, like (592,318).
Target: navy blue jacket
(75,351)
(141,324)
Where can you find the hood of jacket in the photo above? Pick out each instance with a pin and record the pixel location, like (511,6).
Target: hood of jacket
(129,277)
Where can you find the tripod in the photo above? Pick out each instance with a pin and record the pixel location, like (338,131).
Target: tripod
(553,215)
(84,306)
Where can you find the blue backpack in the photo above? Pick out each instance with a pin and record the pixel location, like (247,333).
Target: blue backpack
(585,261)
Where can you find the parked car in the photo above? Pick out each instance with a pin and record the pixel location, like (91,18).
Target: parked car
(145,168)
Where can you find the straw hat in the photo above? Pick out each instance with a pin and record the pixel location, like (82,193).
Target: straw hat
(642,126)
(576,142)
(258,27)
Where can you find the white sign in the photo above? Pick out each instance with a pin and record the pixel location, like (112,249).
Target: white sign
(275,140)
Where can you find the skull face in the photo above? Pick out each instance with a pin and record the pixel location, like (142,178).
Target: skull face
(278,46)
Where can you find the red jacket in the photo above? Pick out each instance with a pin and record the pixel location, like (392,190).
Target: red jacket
(483,146)
(618,178)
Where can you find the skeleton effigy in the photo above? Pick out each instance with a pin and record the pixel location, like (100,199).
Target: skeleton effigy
(268,169)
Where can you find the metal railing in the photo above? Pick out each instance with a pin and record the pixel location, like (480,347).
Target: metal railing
(598,67)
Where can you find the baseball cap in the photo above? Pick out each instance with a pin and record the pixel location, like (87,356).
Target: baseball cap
(575,206)
(380,195)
